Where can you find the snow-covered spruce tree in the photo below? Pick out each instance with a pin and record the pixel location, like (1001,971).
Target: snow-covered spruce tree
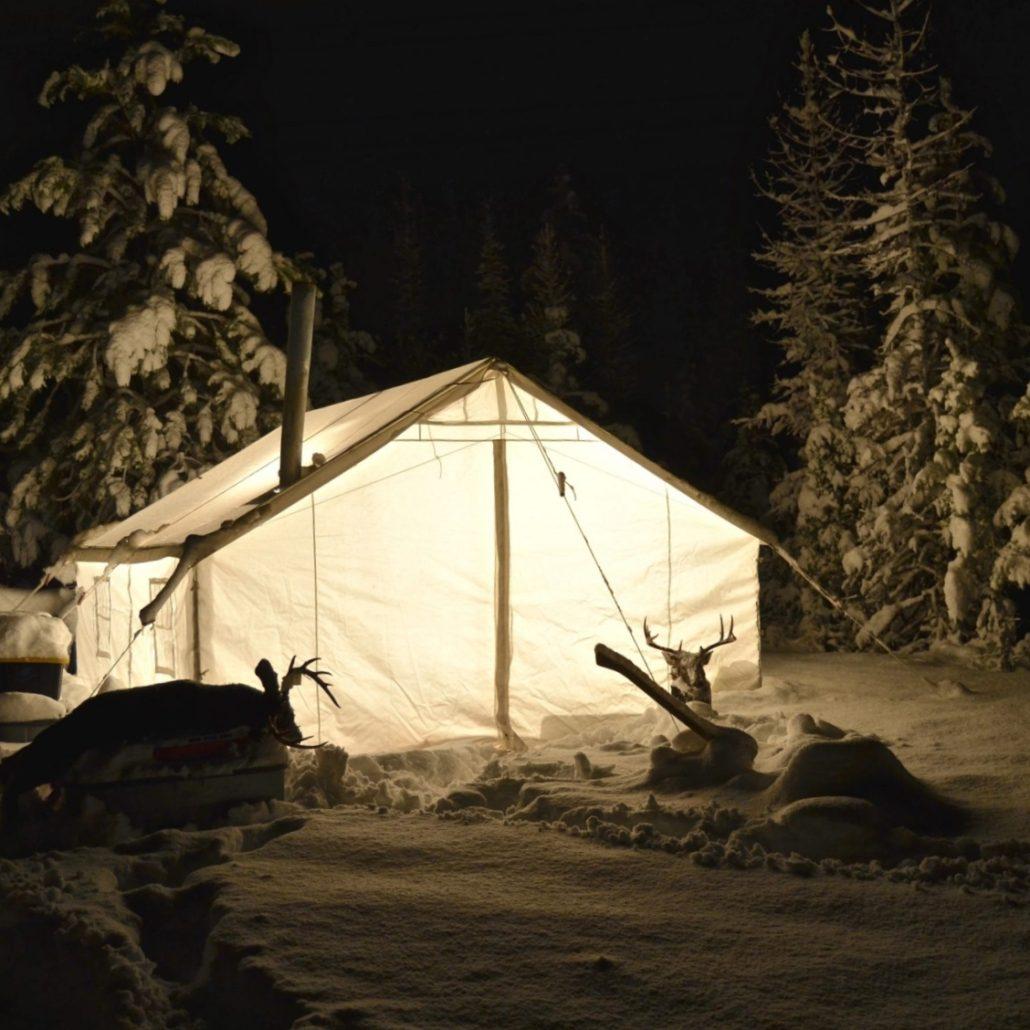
(933,456)
(341,355)
(490,326)
(551,349)
(1012,568)
(816,312)
(133,361)
(754,466)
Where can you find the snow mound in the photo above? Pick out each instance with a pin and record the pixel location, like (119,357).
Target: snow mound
(952,688)
(772,689)
(16,706)
(33,636)
(577,731)
(804,724)
(315,779)
(74,690)
(846,828)
(737,676)
(105,937)
(864,768)
(403,781)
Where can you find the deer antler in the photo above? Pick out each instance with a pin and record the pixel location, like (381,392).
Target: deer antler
(295,672)
(724,638)
(276,730)
(653,642)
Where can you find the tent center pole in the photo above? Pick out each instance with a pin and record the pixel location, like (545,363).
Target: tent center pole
(502,599)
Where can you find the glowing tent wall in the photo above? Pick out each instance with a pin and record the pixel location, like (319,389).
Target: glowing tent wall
(393,574)
(108,619)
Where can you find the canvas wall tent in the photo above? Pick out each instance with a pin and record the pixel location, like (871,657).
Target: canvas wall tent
(429,557)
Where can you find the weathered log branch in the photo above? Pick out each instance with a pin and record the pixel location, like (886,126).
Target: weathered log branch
(728,752)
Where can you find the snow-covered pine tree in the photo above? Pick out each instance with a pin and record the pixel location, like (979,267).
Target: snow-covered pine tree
(816,312)
(341,355)
(552,350)
(1011,573)
(490,326)
(133,361)
(932,450)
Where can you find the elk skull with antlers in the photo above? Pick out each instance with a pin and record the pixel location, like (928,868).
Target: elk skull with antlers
(687,668)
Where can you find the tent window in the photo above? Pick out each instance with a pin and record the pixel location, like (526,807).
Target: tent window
(164,632)
(102,617)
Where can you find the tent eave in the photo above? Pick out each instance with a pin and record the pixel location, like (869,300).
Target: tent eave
(137,556)
(196,547)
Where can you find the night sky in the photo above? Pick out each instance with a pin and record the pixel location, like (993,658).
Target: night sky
(657,110)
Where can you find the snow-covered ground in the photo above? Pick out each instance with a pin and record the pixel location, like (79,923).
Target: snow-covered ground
(574,896)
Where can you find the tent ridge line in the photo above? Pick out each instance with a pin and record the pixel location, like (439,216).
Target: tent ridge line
(198,546)
(490,422)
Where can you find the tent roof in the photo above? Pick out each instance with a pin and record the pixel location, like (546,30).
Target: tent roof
(244,487)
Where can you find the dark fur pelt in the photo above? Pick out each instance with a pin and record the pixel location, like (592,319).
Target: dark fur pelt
(180,708)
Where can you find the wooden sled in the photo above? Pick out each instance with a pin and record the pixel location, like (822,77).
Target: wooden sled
(173,782)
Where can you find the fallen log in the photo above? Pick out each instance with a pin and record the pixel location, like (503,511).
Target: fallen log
(727,752)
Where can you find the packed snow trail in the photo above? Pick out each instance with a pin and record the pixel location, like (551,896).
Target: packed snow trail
(422,922)
(389,920)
